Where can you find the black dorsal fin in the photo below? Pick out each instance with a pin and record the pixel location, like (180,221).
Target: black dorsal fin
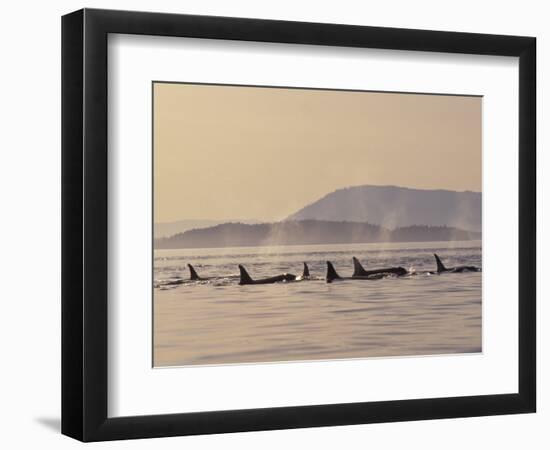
(306,271)
(331,272)
(358,269)
(193,273)
(440,266)
(245,278)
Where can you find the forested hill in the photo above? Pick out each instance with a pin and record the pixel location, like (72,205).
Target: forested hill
(306,232)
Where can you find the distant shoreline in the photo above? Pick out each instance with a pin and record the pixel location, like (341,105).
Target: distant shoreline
(309,232)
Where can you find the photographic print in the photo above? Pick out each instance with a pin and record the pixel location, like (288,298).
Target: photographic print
(300,224)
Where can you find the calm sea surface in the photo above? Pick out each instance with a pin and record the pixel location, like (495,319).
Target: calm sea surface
(216,321)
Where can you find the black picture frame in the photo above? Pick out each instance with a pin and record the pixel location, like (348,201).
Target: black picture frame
(84,224)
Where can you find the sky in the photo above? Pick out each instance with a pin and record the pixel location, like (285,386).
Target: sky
(236,152)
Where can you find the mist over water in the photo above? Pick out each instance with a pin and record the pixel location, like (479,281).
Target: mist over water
(216,321)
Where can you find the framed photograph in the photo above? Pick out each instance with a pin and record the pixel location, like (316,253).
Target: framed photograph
(272,224)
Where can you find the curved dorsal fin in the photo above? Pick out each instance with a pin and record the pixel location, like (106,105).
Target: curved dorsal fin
(306,271)
(358,269)
(245,278)
(193,273)
(331,272)
(440,266)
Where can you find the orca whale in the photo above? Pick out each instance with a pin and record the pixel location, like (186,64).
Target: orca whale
(247,279)
(333,275)
(359,271)
(194,276)
(361,274)
(441,268)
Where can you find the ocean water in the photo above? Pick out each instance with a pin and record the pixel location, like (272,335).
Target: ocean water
(216,321)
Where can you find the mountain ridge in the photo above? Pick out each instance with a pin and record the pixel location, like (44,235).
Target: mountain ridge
(394,206)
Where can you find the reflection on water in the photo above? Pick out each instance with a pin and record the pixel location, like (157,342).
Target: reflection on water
(216,321)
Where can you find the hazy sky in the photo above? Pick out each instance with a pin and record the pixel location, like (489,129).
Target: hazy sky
(224,152)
